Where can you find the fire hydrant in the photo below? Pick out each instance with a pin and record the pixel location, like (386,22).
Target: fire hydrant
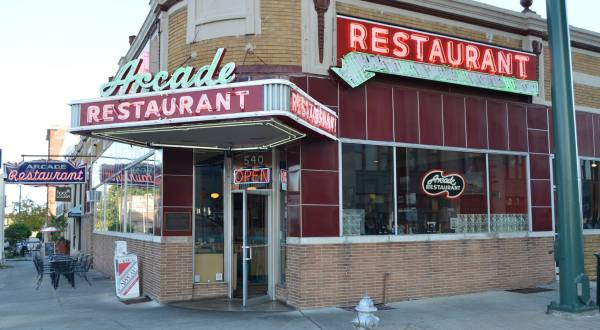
(365,319)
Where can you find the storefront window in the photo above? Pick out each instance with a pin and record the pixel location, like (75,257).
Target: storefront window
(127,182)
(99,218)
(462,210)
(114,207)
(209,246)
(508,193)
(437,191)
(141,198)
(368,189)
(590,194)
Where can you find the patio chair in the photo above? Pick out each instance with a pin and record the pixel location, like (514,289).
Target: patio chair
(83,267)
(41,268)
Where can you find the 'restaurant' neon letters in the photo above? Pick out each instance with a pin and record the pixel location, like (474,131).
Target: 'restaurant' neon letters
(357,35)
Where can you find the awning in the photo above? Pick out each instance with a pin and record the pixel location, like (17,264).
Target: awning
(238,116)
(74,212)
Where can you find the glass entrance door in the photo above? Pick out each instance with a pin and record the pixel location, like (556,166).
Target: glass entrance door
(250,245)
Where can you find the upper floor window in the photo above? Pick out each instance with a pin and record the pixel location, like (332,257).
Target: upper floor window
(209,19)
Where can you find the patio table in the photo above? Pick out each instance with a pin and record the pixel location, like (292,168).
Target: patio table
(62,265)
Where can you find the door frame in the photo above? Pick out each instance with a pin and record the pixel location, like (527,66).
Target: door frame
(270,246)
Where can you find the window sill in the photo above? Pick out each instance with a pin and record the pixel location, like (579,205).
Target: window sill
(587,232)
(146,237)
(412,238)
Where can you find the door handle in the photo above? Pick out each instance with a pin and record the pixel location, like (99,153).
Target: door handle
(249,253)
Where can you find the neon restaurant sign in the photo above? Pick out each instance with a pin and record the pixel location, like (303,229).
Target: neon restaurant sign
(129,81)
(366,48)
(44,172)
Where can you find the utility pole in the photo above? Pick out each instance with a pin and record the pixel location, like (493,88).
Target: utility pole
(574,284)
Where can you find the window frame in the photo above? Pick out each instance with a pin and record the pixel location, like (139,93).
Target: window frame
(103,185)
(396,145)
(580,183)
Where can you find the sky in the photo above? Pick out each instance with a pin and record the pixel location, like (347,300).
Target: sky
(52,52)
(56,51)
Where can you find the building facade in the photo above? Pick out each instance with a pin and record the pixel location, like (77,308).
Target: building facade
(314,151)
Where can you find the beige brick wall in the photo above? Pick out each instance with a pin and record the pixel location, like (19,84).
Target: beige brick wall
(210,290)
(87,227)
(587,96)
(339,274)
(591,245)
(586,63)
(428,25)
(148,257)
(165,268)
(279,42)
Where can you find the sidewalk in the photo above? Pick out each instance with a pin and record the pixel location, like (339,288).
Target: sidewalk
(95,307)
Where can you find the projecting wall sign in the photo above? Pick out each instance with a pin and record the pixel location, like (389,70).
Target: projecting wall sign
(436,183)
(366,48)
(44,172)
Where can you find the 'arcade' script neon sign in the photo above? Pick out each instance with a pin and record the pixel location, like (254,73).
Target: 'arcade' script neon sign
(366,48)
(128,80)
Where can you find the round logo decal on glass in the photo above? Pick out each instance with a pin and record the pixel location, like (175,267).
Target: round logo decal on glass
(436,183)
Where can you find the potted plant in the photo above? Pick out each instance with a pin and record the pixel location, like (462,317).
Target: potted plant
(62,244)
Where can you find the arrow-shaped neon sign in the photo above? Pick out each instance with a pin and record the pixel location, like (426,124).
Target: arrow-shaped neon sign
(358,67)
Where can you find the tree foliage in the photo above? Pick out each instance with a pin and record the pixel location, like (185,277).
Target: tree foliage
(16,232)
(32,214)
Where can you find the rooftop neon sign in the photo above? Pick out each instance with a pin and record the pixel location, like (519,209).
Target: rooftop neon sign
(365,48)
(129,80)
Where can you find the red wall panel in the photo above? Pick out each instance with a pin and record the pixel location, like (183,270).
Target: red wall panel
(517,127)
(476,123)
(497,125)
(320,155)
(537,117)
(380,123)
(542,218)
(430,118)
(585,134)
(324,90)
(538,141)
(320,187)
(406,115)
(352,112)
(454,121)
(539,166)
(320,221)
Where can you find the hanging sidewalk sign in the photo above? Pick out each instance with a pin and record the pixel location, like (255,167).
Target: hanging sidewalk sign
(45,172)
(63,194)
(366,48)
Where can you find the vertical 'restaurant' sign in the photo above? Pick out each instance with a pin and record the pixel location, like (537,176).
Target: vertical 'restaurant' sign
(365,48)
